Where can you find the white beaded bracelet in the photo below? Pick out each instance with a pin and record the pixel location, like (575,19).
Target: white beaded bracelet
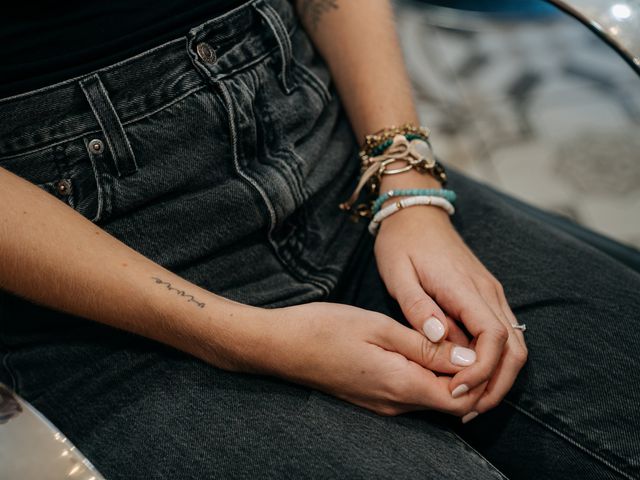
(409,202)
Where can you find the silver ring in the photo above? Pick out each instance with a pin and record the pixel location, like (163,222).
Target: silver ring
(522,327)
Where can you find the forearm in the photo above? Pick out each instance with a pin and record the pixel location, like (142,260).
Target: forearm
(359,42)
(53,256)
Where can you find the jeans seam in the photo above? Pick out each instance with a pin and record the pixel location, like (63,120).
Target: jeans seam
(99,189)
(104,131)
(567,438)
(177,99)
(108,68)
(128,122)
(277,26)
(228,105)
(266,201)
(301,273)
(313,81)
(113,134)
(223,75)
(298,166)
(300,191)
(119,125)
(252,61)
(481,457)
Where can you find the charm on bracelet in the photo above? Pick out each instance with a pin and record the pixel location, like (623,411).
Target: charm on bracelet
(415,153)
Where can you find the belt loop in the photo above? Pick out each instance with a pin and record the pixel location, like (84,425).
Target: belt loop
(98,98)
(282,36)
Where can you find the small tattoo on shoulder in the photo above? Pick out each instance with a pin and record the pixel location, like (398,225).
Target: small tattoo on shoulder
(314,9)
(182,293)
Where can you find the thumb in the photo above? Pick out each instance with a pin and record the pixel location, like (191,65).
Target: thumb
(443,357)
(417,306)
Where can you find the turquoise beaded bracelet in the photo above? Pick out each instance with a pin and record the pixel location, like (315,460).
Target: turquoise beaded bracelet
(450,195)
(378,149)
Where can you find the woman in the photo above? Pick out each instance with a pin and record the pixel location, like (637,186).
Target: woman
(243,324)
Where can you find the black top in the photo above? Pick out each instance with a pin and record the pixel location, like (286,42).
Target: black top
(45,42)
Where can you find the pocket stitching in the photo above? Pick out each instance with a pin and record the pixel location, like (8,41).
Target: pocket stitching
(314,81)
(98,184)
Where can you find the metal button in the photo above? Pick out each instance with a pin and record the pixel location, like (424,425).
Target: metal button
(63,187)
(206,52)
(96,146)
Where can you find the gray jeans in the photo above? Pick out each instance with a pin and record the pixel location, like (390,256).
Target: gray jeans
(222,155)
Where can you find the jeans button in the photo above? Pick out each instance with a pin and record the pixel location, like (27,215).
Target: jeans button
(206,52)
(96,146)
(63,187)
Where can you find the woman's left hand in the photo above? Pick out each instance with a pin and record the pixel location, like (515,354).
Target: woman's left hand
(429,270)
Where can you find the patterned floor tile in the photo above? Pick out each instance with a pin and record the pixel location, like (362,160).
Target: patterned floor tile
(541,109)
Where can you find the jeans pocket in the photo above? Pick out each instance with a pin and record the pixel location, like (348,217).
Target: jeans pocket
(66,171)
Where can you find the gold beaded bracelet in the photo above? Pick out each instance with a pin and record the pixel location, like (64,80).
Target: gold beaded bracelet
(407,143)
(376,139)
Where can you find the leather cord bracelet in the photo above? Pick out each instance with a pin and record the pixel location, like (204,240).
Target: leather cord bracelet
(415,153)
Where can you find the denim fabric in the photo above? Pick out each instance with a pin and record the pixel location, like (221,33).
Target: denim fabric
(573,411)
(206,166)
(222,155)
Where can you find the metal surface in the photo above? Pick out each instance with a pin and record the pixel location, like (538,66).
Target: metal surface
(32,448)
(616,22)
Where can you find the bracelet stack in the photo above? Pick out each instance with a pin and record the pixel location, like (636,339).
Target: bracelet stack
(408,144)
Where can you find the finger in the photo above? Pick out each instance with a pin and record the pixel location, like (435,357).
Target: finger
(513,359)
(423,389)
(456,334)
(508,369)
(491,336)
(516,343)
(512,320)
(515,348)
(493,293)
(443,357)
(495,298)
(417,306)
(477,394)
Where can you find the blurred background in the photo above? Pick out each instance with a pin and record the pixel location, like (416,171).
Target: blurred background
(527,99)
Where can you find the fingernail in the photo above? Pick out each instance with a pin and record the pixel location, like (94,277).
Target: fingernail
(459,390)
(469,416)
(433,329)
(462,356)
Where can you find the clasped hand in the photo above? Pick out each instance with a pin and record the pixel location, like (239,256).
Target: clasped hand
(431,272)
(374,361)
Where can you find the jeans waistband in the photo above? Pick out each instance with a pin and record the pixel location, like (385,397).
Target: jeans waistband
(137,86)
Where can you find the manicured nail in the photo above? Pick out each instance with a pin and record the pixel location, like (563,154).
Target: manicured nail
(459,390)
(462,356)
(469,416)
(433,329)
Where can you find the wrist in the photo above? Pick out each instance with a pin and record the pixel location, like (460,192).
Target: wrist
(409,179)
(423,214)
(427,218)
(217,330)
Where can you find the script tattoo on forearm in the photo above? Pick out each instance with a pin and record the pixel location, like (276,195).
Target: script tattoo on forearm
(182,293)
(314,9)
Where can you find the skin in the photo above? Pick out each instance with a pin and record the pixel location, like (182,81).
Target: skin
(360,356)
(441,277)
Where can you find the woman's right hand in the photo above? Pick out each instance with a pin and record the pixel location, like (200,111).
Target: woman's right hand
(360,356)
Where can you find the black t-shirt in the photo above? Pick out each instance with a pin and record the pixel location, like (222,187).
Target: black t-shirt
(45,42)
